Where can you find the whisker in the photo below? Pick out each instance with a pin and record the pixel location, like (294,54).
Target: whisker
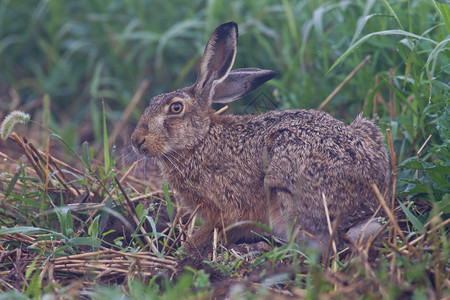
(187,181)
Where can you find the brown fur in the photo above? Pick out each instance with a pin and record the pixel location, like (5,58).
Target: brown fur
(272,168)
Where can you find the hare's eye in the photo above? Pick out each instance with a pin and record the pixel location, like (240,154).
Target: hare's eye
(176,108)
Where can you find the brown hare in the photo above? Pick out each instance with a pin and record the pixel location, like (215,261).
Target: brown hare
(273,168)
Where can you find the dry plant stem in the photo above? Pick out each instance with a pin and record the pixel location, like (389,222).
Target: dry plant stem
(176,220)
(423,146)
(47,159)
(221,110)
(113,253)
(129,170)
(56,162)
(183,227)
(135,218)
(341,85)
(215,238)
(223,229)
(418,239)
(420,151)
(59,175)
(192,226)
(394,221)
(30,158)
(87,206)
(331,231)
(394,169)
(126,115)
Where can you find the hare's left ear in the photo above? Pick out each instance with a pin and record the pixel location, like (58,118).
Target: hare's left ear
(217,60)
(239,83)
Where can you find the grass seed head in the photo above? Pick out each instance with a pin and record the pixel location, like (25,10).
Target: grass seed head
(11,120)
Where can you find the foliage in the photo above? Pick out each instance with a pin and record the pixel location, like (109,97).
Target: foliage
(78,52)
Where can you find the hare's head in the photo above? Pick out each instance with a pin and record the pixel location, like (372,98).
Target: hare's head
(181,119)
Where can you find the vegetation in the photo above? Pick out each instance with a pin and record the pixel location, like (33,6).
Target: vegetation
(61,197)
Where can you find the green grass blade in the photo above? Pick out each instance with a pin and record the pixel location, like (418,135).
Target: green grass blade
(432,58)
(384,32)
(30,230)
(389,7)
(444,11)
(360,26)
(13,181)
(105,142)
(85,241)
(169,205)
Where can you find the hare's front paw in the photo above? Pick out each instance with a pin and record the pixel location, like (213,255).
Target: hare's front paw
(200,243)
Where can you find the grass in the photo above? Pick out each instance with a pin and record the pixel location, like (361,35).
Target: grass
(65,205)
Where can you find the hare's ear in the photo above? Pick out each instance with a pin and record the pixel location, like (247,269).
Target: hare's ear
(239,83)
(218,59)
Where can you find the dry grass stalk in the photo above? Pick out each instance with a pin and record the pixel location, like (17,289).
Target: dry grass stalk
(221,110)
(127,173)
(421,237)
(27,153)
(183,228)
(127,113)
(215,242)
(394,222)
(344,82)
(102,263)
(420,151)
(392,230)
(134,216)
(57,173)
(331,231)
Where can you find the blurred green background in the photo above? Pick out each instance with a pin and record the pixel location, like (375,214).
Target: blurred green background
(81,52)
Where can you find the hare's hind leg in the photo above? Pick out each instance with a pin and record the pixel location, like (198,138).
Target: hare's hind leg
(295,203)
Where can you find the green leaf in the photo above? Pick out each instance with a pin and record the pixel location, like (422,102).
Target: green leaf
(432,58)
(360,26)
(85,241)
(93,228)
(155,232)
(444,124)
(412,218)
(169,206)
(86,154)
(140,211)
(439,174)
(415,187)
(411,163)
(27,230)
(13,181)
(31,268)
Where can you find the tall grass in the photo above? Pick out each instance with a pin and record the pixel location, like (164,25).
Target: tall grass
(81,52)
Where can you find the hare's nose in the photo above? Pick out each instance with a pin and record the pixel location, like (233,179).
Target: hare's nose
(138,141)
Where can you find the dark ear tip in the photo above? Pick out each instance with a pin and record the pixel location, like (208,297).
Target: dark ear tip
(227,27)
(272,74)
(268,74)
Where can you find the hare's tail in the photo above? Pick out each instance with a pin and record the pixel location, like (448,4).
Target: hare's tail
(367,128)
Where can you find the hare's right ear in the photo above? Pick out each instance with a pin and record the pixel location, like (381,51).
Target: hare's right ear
(218,59)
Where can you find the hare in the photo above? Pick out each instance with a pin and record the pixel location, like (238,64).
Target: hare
(274,168)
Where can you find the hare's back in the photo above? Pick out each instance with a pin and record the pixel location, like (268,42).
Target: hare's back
(318,133)
(327,151)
